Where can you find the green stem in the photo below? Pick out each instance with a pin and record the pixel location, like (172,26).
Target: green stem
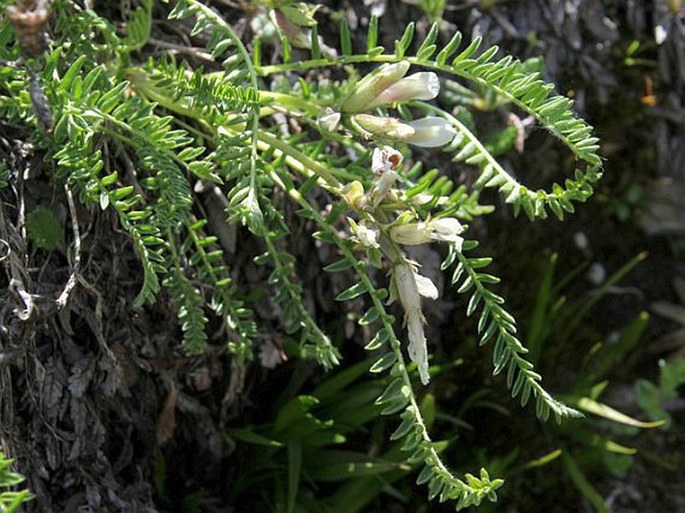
(329,355)
(265,141)
(306,161)
(291,102)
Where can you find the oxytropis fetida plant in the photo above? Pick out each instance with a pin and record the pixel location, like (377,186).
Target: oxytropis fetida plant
(182,130)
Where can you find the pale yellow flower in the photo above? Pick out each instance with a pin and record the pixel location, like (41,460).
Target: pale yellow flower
(372,85)
(428,132)
(419,86)
(410,286)
(445,229)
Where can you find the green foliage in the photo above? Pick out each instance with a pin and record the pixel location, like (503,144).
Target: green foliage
(301,446)
(140,139)
(592,445)
(11,500)
(44,229)
(509,79)
(651,396)
(299,450)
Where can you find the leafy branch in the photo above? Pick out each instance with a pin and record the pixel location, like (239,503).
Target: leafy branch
(498,324)
(399,395)
(506,77)
(295,315)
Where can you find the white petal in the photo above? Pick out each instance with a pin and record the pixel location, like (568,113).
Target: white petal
(378,161)
(367,236)
(447,225)
(385,159)
(418,347)
(419,86)
(410,234)
(430,132)
(407,290)
(426,287)
(446,229)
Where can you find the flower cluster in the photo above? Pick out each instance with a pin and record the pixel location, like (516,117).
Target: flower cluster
(410,286)
(379,236)
(385,86)
(376,233)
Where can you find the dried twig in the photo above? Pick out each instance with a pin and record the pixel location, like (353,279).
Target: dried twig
(73,278)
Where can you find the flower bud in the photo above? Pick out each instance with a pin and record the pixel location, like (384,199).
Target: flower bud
(374,84)
(419,86)
(354,194)
(391,128)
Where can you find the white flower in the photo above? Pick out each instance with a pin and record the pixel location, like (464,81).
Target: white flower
(446,229)
(387,85)
(410,286)
(430,132)
(367,236)
(373,84)
(419,86)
